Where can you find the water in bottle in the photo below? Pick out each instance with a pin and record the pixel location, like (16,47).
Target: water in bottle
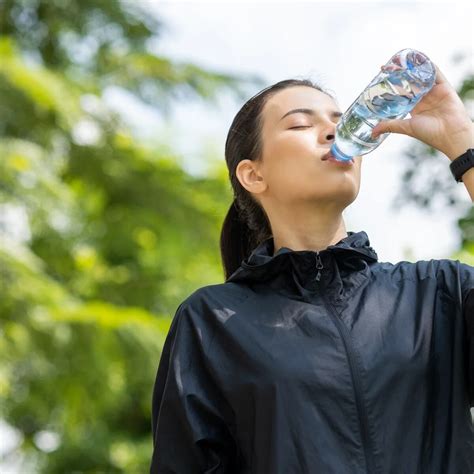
(392,94)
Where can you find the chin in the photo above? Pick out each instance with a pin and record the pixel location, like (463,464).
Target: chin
(346,194)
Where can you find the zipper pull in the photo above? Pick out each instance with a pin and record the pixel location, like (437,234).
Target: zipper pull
(319,266)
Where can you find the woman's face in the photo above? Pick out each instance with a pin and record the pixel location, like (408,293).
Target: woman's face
(291,165)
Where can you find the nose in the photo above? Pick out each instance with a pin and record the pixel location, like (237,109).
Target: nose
(328,133)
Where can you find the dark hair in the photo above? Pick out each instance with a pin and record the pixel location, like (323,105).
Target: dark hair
(246,224)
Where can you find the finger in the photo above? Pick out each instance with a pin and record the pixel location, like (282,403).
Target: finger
(440,77)
(392,126)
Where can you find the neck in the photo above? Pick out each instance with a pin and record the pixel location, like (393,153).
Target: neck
(313,232)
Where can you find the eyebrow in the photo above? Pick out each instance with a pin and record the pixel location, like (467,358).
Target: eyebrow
(334,113)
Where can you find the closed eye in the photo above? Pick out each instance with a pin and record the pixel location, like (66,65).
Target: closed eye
(300,126)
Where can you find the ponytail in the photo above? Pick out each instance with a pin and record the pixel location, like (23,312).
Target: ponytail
(238,238)
(235,240)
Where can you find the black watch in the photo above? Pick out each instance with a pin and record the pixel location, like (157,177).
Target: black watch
(461,164)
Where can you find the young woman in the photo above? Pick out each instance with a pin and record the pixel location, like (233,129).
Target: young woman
(313,356)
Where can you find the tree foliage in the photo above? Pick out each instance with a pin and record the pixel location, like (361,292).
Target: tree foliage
(107,234)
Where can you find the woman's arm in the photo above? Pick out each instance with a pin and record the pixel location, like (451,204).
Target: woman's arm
(469,322)
(190,417)
(457,150)
(457,279)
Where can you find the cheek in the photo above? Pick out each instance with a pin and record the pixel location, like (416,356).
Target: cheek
(298,179)
(296,142)
(292,173)
(292,154)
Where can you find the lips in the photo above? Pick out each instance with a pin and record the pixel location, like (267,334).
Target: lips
(329,157)
(341,163)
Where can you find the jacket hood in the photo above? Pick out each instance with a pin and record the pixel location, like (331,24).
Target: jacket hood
(350,254)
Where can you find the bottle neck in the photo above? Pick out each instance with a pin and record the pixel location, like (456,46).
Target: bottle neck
(338,154)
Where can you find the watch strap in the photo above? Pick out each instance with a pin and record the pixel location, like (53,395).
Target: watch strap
(462,164)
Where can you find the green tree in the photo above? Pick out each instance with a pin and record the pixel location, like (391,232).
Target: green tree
(88,290)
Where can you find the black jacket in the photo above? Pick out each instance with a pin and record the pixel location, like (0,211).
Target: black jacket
(325,362)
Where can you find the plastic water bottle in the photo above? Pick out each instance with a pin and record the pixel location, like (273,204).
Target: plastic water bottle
(392,94)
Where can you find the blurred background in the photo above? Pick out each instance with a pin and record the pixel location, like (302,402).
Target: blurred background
(113,119)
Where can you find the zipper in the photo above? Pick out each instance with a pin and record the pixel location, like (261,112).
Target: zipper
(319,266)
(353,367)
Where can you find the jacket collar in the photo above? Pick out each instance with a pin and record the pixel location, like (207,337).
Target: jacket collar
(350,253)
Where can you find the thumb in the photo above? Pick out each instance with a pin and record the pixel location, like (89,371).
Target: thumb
(392,126)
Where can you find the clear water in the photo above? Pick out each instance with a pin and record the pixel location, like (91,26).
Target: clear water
(392,94)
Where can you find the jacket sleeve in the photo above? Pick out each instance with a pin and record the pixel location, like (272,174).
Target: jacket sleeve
(469,321)
(459,280)
(189,413)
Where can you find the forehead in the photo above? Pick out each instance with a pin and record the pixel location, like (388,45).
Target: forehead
(293,98)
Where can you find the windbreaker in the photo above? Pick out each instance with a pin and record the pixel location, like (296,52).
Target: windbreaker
(327,362)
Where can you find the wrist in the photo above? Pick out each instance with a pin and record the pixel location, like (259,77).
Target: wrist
(464,141)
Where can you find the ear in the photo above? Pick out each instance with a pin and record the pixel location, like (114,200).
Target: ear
(249,174)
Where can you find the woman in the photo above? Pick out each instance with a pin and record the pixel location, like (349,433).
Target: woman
(313,356)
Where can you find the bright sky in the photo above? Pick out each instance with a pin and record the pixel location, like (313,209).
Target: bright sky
(340,45)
